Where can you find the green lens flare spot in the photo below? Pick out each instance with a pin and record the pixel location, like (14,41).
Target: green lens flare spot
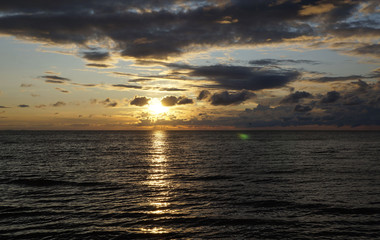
(243,136)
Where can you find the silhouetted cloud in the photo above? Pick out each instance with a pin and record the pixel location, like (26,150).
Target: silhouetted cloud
(62,90)
(370,49)
(109,102)
(98,65)
(169,101)
(96,56)
(226,98)
(158,29)
(126,86)
(240,77)
(172,89)
(341,78)
(140,101)
(55,79)
(352,100)
(300,108)
(203,94)
(268,61)
(3,107)
(184,100)
(25,85)
(23,106)
(295,97)
(331,97)
(58,104)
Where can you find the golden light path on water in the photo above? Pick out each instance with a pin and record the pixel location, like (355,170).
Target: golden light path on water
(158,181)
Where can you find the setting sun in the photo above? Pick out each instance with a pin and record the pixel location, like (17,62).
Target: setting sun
(155,107)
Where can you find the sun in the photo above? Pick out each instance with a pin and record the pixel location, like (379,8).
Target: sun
(156,107)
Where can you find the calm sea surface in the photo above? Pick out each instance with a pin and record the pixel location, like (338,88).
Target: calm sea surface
(189,184)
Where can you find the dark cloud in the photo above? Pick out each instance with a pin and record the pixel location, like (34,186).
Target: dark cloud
(203,94)
(55,79)
(98,65)
(339,78)
(240,77)
(58,104)
(363,86)
(371,49)
(124,74)
(95,56)
(23,106)
(85,85)
(352,100)
(281,61)
(184,100)
(173,89)
(226,98)
(109,103)
(331,97)
(158,29)
(296,97)
(169,101)
(300,108)
(62,90)
(3,107)
(24,85)
(126,86)
(140,101)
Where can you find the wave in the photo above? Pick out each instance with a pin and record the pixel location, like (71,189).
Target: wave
(43,182)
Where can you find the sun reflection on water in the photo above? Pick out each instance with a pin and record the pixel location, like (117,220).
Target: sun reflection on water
(158,181)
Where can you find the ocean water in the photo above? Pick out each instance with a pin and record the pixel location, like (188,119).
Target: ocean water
(189,185)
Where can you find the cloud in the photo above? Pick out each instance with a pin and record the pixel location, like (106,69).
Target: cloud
(58,104)
(172,89)
(184,100)
(98,65)
(270,61)
(23,106)
(370,50)
(226,98)
(158,29)
(140,101)
(296,97)
(62,90)
(316,9)
(240,77)
(3,107)
(330,97)
(55,79)
(203,95)
(169,101)
(95,55)
(126,86)
(300,108)
(109,102)
(40,106)
(85,85)
(24,85)
(336,79)
(352,100)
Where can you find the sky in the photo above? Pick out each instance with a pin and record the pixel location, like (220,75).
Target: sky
(177,64)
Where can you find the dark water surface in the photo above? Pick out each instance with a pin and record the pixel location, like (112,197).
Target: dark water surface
(190,184)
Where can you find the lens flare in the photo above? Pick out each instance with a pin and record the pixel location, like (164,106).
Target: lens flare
(156,107)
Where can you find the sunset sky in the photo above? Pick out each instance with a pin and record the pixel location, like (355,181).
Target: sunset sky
(209,64)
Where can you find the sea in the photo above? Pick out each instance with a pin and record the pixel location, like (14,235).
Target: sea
(189,185)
